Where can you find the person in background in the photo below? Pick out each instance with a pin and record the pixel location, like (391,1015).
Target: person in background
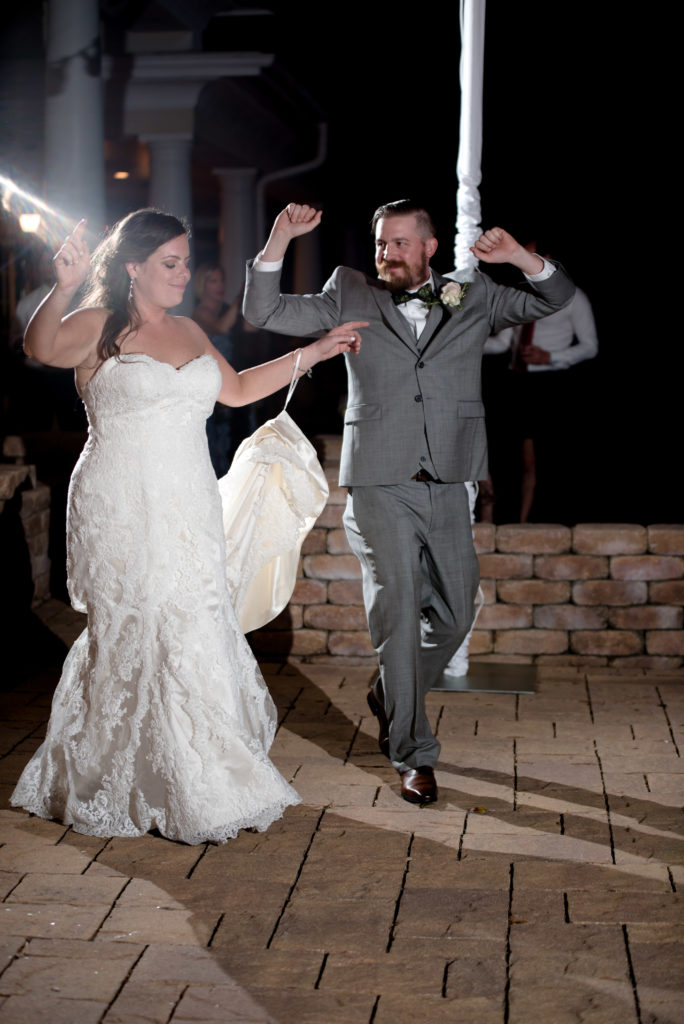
(214,315)
(224,325)
(542,393)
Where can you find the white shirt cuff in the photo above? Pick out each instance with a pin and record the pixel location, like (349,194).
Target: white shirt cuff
(547,270)
(558,359)
(267,265)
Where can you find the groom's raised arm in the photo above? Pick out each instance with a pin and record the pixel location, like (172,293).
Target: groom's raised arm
(293,221)
(264,305)
(553,289)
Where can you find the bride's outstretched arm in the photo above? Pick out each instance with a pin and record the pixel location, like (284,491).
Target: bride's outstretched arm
(259,381)
(52,337)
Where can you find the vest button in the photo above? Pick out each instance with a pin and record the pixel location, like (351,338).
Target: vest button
(418,398)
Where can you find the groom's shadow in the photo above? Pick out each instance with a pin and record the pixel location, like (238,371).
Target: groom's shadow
(355,743)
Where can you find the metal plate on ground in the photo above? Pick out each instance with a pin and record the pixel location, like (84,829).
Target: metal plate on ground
(491,678)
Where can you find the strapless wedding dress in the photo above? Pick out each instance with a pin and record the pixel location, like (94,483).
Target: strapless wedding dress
(161,718)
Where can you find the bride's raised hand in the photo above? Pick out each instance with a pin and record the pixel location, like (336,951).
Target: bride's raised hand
(72,260)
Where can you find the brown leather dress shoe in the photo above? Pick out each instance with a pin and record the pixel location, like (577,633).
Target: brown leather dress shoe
(418,785)
(383,725)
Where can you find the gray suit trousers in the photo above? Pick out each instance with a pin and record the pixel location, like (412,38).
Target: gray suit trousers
(414,543)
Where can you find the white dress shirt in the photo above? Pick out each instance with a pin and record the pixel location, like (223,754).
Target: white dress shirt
(555,334)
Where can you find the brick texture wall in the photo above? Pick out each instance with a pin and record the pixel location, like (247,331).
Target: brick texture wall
(593,594)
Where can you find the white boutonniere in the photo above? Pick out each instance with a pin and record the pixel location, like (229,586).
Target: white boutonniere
(452,294)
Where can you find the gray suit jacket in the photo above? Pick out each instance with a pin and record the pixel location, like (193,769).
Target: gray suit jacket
(412,403)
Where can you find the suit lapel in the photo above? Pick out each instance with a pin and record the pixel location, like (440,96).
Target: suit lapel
(395,320)
(440,322)
(437,317)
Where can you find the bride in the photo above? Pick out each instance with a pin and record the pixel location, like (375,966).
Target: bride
(161,719)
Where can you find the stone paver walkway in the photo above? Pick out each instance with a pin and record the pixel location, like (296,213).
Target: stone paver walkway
(543,888)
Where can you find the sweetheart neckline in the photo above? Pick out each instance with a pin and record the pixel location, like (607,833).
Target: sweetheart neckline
(160,362)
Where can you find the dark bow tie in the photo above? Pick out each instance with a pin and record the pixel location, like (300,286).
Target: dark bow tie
(425,294)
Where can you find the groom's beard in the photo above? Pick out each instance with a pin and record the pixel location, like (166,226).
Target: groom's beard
(399,276)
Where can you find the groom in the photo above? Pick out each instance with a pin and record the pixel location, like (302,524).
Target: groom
(414,432)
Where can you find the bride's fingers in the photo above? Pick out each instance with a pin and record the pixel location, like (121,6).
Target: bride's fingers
(74,248)
(77,237)
(69,254)
(349,331)
(345,337)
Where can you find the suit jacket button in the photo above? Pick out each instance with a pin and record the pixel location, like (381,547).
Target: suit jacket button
(419,398)
(421,365)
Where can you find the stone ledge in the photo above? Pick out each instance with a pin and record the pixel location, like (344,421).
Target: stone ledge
(670,642)
(606,641)
(571,567)
(12,477)
(601,594)
(533,538)
(616,592)
(646,567)
(670,592)
(666,539)
(533,591)
(609,539)
(569,616)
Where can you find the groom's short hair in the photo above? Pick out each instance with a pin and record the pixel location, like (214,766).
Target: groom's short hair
(401,208)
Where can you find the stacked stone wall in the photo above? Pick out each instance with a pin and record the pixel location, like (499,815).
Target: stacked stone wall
(592,594)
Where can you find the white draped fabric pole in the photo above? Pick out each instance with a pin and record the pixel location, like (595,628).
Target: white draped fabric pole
(469,164)
(468,209)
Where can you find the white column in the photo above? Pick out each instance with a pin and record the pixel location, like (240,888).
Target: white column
(469,163)
(170,177)
(238,220)
(74,133)
(171,186)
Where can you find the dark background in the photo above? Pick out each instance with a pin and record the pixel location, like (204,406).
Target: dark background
(568,144)
(570,157)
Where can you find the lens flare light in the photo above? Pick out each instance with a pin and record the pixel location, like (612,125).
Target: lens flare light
(49,223)
(29,222)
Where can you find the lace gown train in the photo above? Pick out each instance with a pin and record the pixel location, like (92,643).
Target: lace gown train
(161,718)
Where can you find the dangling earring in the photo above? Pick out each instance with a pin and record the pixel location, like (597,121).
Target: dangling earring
(130,292)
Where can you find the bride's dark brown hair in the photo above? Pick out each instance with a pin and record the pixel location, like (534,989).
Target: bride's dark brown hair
(131,240)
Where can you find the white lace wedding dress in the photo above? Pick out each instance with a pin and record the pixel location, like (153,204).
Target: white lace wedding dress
(161,718)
